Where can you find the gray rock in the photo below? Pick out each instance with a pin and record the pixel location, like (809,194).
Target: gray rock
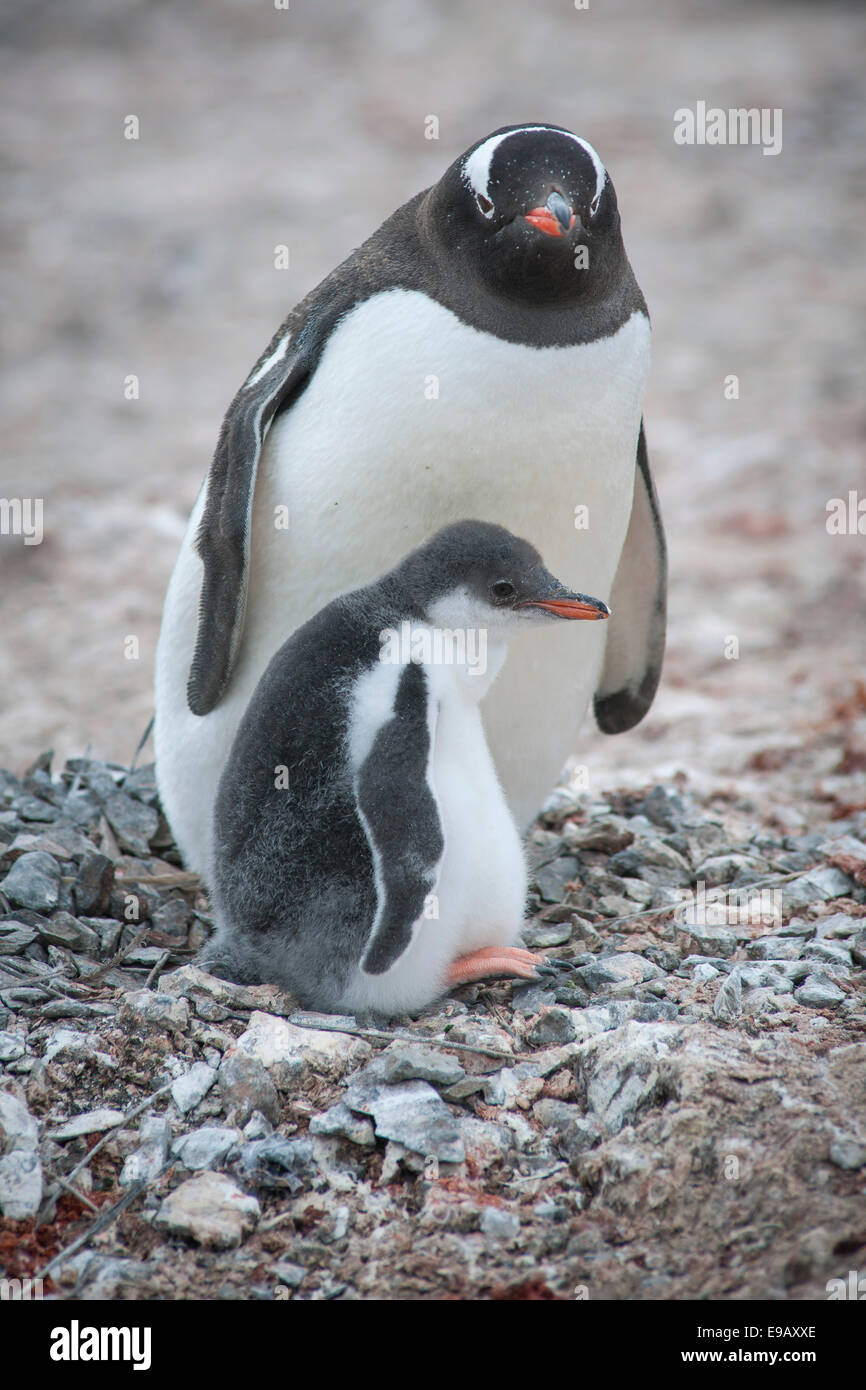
(65,930)
(340,1122)
(608,835)
(20,1184)
(208,1147)
(192,1087)
(289,1274)
(710,940)
(12,1047)
(827,952)
(93,1122)
(245,1086)
(150,1157)
(211,1210)
(617,967)
(773,948)
(412,1114)
(540,935)
(133,823)
(820,885)
(150,1011)
(93,884)
(858,948)
(704,972)
(498,1224)
(725,868)
(551,1026)
(663,807)
(574,1133)
(15,937)
(18,1129)
(258,1126)
(839,925)
(660,864)
(848,1154)
(276,1162)
(34,882)
(728,1003)
(819,993)
(413,1062)
(623,1073)
(552,880)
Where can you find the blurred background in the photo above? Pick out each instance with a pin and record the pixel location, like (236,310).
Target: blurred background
(258,126)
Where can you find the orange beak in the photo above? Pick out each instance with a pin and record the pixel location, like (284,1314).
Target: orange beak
(590,609)
(555,218)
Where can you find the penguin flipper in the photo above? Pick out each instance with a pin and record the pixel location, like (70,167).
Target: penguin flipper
(223,539)
(400,815)
(636,629)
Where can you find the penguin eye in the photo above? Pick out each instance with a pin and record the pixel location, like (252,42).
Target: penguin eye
(484,204)
(503,589)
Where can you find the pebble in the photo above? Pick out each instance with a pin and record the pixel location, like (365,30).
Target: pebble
(20,1184)
(413,1062)
(18,1128)
(33,881)
(289,1052)
(246,1086)
(148,1160)
(848,1154)
(819,993)
(498,1224)
(277,1162)
(93,1122)
(147,1010)
(339,1121)
(551,1026)
(192,1086)
(412,1114)
(208,1147)
(211,1210)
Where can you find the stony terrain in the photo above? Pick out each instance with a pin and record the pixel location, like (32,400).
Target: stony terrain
(677,1108)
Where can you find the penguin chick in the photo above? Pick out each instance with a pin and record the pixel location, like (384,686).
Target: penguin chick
(365,856)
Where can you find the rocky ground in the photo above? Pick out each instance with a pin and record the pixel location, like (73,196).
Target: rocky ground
(676,1109)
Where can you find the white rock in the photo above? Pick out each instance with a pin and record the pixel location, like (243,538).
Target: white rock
(18,1128)
(94,1122)
(286,1051)
(210,1209)
(192,1087)
(20,1184)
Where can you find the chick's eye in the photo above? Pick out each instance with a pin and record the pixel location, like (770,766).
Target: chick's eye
(484,204)
(503,588)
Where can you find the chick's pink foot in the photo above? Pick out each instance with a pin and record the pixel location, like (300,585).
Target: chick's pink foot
(492,960)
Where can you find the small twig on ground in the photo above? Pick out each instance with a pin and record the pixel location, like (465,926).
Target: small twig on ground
(399,1035)
(96,977)
(156,969)
(104,1219)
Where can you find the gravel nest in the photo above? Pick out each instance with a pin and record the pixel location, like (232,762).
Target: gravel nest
(676,1109)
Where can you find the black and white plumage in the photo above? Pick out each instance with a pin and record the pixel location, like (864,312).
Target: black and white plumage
(483,353)
(365,856)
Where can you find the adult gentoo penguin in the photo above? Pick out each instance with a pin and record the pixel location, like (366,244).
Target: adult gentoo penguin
(364,854)
(483,353)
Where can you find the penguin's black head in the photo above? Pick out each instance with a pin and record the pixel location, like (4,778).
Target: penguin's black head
(474,573)
(531,210)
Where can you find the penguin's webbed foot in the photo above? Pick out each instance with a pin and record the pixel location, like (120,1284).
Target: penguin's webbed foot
(493,960)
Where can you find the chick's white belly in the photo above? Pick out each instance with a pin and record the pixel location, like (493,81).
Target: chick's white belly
(480,894)
(410,421)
